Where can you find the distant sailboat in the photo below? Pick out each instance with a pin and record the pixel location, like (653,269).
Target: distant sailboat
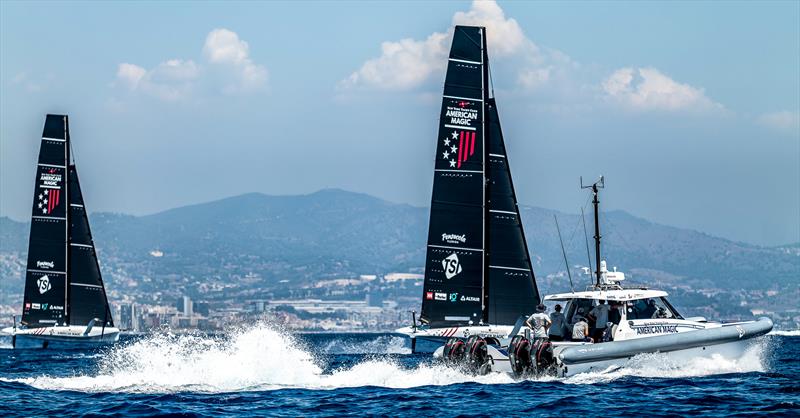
(478,275)
(65,299)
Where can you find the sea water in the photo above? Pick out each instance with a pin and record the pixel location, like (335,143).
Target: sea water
(262,370)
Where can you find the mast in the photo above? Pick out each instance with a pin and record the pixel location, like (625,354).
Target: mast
(67,146)
(486,194)
(599,184)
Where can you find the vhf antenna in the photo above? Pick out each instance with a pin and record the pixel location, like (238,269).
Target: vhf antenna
(599,184)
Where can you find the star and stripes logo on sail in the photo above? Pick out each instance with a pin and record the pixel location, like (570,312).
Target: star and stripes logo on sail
(458,154)
(49,200)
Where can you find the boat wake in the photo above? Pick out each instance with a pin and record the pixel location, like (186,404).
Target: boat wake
(658,365)
(264,358)
(786,333)
(257,358)
(385,344)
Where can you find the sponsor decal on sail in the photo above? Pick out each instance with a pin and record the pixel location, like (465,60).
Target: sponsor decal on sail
(454,238)
(49,200)
(453,297)
(469,299)
(45,264)
(440,296)
(451,265)
(458,154)
(44,285)
(35,306)
(429,295)
(27,305)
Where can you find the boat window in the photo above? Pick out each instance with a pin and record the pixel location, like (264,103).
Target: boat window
(650,309)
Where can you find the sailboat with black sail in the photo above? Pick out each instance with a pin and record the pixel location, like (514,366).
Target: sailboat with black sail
(478,275)
(65,298)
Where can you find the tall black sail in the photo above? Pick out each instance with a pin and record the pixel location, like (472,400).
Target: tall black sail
(512,286)
(46,290)
(87,295)
(455,263)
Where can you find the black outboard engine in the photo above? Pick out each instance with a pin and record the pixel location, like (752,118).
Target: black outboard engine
(519,355)
(478,360)
(454,351)
(542,356)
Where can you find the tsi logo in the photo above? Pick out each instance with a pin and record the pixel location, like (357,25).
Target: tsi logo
(451,266)
(45,264)
(44,284)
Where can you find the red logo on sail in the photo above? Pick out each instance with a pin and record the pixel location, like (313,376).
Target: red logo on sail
(49,200)
(458,154)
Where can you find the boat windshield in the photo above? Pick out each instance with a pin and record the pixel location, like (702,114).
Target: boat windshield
(651,308)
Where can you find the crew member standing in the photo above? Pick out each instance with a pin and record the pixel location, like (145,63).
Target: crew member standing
(539,323)
(600,316)
(557,325)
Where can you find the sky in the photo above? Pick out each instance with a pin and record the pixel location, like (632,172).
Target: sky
(691,110)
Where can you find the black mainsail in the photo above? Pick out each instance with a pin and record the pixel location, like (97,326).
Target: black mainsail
(473,208)
(63,285)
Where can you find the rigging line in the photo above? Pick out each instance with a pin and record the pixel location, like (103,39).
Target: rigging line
(491,80)
(564,252)
(575,230)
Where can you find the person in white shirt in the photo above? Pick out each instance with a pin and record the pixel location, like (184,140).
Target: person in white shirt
(539,322)
(580,331)
(600,315)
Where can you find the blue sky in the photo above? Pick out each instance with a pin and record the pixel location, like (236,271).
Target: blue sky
(690,109)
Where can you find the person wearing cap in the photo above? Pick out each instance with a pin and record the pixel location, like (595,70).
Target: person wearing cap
(580,331)
(558,326)
(539,322)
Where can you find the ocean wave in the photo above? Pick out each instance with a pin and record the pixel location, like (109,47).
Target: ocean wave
(259,358)
(786,333)
(265,358)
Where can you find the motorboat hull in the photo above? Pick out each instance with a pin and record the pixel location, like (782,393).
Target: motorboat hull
(729,341)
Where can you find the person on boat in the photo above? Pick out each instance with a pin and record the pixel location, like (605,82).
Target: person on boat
(557,326)
(649,310)
(600,315)
(580,331)
(539,323)
(661,313)
(608,334)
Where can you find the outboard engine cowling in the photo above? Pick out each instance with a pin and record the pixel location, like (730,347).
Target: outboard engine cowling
(454,351)
(478,360)
(519,355)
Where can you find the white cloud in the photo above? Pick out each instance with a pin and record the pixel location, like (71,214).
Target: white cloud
(25,80)
(229,69)
(783,121)
(130,75)
(224,48)
(408,63)
(649,89)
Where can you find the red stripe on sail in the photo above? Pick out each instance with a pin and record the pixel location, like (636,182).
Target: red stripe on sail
(472,145)
(460,147)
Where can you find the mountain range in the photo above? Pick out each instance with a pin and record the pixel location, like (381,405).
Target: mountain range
(332,233)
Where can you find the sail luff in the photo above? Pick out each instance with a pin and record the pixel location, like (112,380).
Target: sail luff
(44,301)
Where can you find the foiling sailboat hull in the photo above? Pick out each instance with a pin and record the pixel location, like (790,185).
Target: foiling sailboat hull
(46,336)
